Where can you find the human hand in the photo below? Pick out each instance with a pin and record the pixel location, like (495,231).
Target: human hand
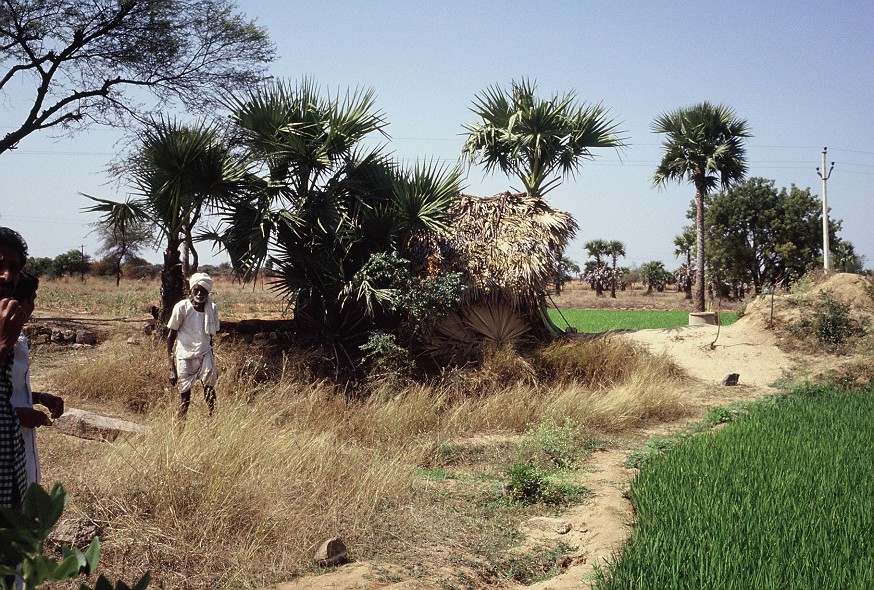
(30,418)
(54,403)
(12,318)
(173,376)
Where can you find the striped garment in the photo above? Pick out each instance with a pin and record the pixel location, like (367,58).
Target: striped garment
(13,470)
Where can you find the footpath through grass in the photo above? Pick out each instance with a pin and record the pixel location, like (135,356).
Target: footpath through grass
(601,320)
(781,498)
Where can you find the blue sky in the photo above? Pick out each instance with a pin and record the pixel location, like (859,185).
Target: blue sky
(801,73)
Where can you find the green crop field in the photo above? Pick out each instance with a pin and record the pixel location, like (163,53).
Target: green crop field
(781,498)
(601,320)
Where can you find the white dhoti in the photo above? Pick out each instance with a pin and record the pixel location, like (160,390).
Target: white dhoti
(190,370)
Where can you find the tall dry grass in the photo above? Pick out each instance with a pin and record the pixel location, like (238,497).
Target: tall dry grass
(243,498)
(134,297)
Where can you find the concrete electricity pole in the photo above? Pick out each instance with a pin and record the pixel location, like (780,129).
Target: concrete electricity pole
(826,263)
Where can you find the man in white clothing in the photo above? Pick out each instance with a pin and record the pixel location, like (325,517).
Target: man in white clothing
(192,326)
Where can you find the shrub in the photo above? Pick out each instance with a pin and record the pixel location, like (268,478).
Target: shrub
(829,323)
(528,484)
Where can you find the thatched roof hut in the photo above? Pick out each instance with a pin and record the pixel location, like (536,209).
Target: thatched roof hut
(507,247)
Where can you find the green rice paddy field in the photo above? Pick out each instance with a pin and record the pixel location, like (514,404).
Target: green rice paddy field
(780,498)
(601,320)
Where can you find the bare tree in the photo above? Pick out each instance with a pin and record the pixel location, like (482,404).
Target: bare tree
(81,62)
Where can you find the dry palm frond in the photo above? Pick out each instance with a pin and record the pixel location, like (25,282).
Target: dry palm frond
(508,243)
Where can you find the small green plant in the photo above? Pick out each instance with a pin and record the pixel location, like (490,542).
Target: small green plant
(655,447)
(527,484)
(719,415)
(22,543)
(828,322)
(384,357)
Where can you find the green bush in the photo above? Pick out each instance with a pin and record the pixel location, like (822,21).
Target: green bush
(829,323)
(555,446)
(528,484)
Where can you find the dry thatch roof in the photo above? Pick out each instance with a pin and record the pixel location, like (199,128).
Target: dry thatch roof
(506,244)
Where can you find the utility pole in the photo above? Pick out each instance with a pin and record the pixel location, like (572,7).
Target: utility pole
(826,263)
(82,265)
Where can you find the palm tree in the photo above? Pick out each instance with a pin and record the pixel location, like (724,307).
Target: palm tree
(320,205)
(538,141)
(614,249)
(180,172)
(683,246)
(703,144)
(596,249)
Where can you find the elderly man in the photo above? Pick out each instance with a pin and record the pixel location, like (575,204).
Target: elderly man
(192,325)
(13,472)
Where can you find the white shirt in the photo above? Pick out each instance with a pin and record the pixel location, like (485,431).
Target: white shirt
(194,328)
(22,398)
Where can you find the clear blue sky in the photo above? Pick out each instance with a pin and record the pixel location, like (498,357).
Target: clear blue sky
(801,73)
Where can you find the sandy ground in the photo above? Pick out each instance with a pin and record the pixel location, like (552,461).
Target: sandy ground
(600,526)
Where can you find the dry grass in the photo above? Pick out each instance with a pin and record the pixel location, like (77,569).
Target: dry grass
(99,296)
(242,500)
(236,500)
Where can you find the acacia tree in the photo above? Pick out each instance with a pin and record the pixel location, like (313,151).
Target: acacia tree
(123,228)
(703,144)
(760,235)
(89,62)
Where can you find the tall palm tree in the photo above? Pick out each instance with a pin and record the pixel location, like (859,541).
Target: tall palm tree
(614,249)
(179,171)
(684,244)
(539,141)
(703,144)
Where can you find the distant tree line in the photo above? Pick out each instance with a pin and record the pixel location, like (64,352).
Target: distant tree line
(75,264)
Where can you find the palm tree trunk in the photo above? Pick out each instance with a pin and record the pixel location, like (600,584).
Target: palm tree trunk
(687,287)
(613,280)
(172,281)
(186,270)
(699,239)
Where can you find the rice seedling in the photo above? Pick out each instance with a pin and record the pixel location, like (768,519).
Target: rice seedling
(780,498)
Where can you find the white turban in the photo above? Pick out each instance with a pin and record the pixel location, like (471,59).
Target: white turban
(202,279)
